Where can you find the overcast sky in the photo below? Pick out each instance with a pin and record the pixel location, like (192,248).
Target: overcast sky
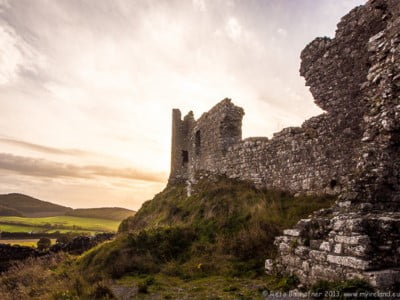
(87,87)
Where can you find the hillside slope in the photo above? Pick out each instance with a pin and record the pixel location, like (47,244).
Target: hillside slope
(110,213)
(8,211)
(225,227)
(31,207)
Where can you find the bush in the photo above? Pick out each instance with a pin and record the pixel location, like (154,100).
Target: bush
(36,278)
(43,243)
(138,253)
(101,291)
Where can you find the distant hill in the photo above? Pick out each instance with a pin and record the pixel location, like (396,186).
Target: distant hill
(8,211)
(111,213)
(20,205)
(23,205)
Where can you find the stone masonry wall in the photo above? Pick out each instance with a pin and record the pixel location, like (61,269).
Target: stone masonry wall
(317,157)
(360,236)
(351,150)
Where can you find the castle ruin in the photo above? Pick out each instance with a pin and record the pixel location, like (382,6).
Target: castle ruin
(351,150)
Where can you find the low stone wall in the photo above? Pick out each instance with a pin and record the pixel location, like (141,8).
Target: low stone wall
(337,245)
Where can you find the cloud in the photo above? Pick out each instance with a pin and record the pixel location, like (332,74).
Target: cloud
(233,28)
(282,32)
(44,149)
(16,55)
(199,5)
(45,168)
(86,73)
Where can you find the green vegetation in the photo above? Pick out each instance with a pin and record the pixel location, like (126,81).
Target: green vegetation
(8,211)
(20,228)
(111,213)
(211,245)
(226,204)
(24,242)
(351,289)
(59,223)
(43,243)
(227,228)
(27,206)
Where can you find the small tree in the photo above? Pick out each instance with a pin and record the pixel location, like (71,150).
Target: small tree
(43,243)
(64,239)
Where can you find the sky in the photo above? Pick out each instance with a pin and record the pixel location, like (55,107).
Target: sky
(87,86)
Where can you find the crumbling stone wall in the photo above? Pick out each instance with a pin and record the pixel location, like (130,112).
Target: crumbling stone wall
(318,157)
(360,236)
(351,150)
(314,158)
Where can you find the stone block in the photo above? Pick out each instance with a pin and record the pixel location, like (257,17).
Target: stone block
(338,248)
(326,246)
(318,255)
(352,240)
(314,244)
(301,251)
(291,232)
(383,278)
(348,261)
(269,266)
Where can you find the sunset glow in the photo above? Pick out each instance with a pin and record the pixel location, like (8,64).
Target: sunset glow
(87,87)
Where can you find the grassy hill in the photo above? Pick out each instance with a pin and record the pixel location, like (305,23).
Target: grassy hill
(227,227)
(23,205)
(8,211)
(111,213)
(210,245)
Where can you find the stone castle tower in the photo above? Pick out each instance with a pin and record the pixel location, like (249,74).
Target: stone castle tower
(196,145)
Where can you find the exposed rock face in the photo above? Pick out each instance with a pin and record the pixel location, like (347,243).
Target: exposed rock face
(357,73)
(351,150)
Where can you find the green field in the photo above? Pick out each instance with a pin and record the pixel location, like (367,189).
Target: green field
(24,242)
(60,223)
(20,228)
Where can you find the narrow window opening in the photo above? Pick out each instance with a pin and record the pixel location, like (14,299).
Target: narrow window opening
(197,142)
(185,157)
(333,184)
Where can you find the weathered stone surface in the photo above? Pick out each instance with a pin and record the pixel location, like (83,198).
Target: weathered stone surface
(356,75)
(348,261)
(352,150)
(383,278)
(352,240)
(291,232)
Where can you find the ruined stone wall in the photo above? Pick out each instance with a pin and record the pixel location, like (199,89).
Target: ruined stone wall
(325,153)
(360,236)
(314,158)
(351,150)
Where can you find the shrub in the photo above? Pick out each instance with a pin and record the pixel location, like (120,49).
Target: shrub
(43,243)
